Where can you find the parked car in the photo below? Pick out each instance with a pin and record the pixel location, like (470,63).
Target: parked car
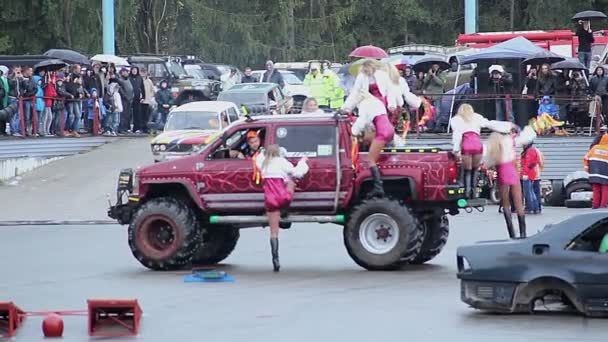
(189,210)
(294,86)
(189,127)
(565,264)
(258,98)
(185,88)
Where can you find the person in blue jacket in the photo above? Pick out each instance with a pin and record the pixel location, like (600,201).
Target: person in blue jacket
(39,105)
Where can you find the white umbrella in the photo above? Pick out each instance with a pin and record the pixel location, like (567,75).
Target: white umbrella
(110,59)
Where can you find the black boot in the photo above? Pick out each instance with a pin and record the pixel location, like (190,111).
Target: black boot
(509,221)
(461,176)
(521,219)
(378,190)
(467,184)
(475,183)
(274,248)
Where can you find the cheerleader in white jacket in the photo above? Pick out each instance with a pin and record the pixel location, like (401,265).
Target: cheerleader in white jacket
(372,117)
(379,79)
(500,152)
(277,174)
(466,143)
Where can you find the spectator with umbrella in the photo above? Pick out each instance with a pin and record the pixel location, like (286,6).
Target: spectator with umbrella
(585,34)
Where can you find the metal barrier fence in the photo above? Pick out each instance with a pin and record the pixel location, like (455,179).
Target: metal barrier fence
(95,129)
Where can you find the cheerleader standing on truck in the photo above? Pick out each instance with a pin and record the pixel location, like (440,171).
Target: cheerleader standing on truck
(466,127)
(372,117)
(277,173)
(500,151)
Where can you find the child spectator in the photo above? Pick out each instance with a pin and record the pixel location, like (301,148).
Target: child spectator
(164,101)
(530,173)
(50,92)
(95,106)
(39,108)
(549,112)
(113,103)
(60,104)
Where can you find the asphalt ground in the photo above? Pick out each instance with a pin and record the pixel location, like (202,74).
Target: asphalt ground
(319,295)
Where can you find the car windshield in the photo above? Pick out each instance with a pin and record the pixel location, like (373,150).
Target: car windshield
(176,68)
(290,78)
(224,69)
(193,120)
(196,73)
(243,98)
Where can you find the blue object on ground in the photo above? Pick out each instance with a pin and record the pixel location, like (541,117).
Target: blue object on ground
(208,276)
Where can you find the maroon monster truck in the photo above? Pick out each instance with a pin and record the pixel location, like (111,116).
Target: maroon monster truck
(189,210)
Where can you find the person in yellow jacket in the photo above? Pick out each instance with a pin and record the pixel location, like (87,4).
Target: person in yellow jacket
(333,87)
(317,84)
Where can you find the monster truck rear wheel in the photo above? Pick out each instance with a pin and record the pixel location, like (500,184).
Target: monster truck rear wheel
(217,245)
(164,234)
(436,233)
(379,233)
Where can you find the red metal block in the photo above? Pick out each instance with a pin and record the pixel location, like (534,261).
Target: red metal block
(11,318)
(114,317)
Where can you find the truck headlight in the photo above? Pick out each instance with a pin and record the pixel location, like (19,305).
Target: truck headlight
(163,147)
(155,148)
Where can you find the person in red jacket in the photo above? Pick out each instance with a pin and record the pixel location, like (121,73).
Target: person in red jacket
(530,173)
(50,91)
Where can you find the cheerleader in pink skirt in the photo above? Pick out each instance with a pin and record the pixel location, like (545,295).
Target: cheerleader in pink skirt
(466,126)
(373,126)
(500,152)
(277,173)
(379,79)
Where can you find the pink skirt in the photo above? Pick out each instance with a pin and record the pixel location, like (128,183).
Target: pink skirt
(507,174)
(471,144)
(385,131)
(276,195)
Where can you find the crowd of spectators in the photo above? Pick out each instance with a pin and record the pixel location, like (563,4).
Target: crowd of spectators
(68,102)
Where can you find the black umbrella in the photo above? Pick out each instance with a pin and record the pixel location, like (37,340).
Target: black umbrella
(544,57)
(69,56)
(50,65)
(588,15)
(568,65)
(424,64)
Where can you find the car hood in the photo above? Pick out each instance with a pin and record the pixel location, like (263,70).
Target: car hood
(185,137)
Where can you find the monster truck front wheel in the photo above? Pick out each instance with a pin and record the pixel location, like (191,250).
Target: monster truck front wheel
(436,233)
(218,243)
(164,234)
(379,233)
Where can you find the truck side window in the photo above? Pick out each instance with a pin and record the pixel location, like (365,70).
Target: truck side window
(310,141)
(233,114)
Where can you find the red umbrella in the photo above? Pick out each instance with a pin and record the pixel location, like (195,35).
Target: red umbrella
(368,51)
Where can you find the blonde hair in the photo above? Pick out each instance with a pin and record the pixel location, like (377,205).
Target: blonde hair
(373,65)
(272,151)
(466,112)
(494,148)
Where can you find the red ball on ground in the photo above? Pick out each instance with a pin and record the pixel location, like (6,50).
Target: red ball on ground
(52,326)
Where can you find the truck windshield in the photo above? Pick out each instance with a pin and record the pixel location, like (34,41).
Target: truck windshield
(177,69)
(195,120)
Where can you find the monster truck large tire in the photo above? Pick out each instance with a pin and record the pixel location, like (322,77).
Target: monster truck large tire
(164,234)
(379,233)
(217,244)
(436,233)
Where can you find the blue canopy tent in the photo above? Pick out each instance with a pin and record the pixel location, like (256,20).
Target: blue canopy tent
(514,50)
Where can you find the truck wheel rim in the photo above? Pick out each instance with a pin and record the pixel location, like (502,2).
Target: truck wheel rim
(158,236)
(379,233)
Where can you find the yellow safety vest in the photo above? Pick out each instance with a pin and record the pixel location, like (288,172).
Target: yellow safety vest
(318,88)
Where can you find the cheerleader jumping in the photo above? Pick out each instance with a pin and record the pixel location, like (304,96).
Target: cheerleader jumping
(277,173)
(374,127)
(500,151)
(466,126)
(379,79)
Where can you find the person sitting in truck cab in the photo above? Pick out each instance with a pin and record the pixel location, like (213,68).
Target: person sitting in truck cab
(251,148)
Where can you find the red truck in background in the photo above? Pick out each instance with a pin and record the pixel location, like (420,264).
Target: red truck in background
(189,210)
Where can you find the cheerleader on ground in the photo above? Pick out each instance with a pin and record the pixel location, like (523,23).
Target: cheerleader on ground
(277,173)
(466,126)
(500,152)
(372,126)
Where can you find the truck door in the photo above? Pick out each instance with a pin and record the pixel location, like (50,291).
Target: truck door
(226,182)
(317,190)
